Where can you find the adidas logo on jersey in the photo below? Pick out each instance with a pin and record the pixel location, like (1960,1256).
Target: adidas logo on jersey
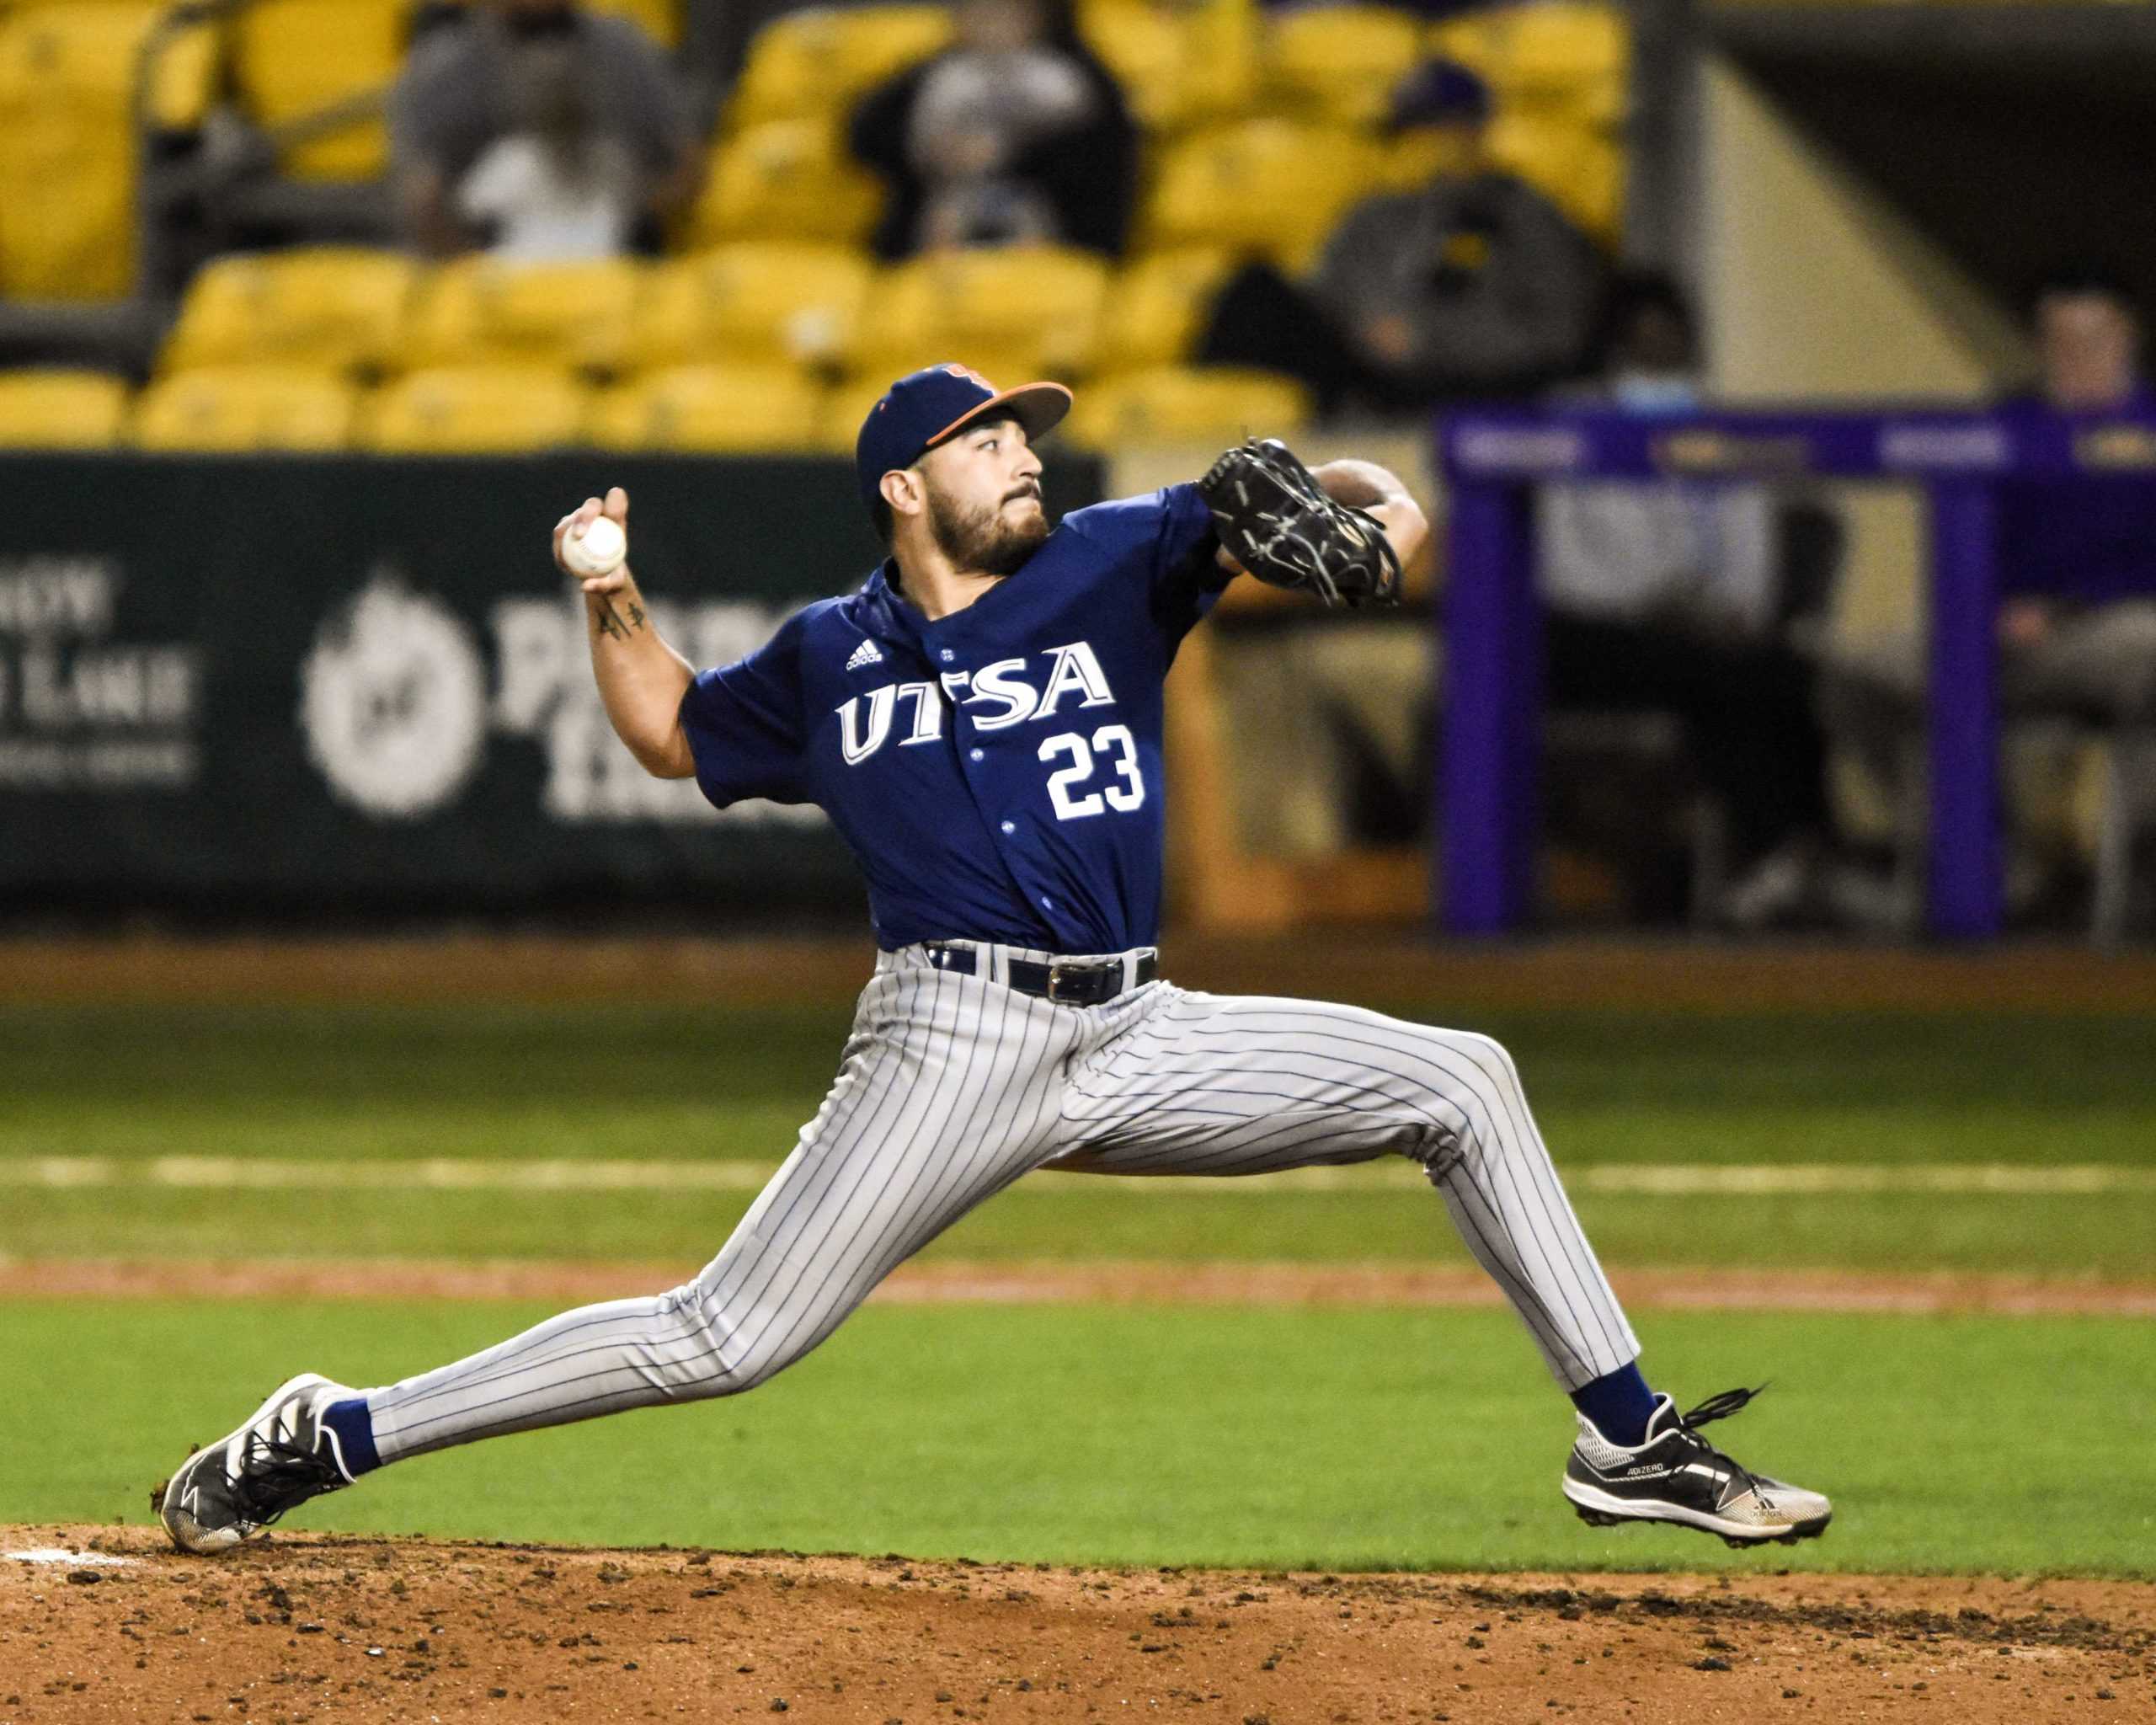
(865,653)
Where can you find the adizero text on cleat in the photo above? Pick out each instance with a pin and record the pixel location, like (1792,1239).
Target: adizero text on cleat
(1677,1475)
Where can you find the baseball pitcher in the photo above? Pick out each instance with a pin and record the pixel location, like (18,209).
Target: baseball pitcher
(981,720)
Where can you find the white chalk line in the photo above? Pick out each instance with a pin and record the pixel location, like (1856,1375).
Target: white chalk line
(1611,1180)
(79,1560)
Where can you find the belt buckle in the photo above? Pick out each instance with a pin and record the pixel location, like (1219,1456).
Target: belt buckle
(1057,971)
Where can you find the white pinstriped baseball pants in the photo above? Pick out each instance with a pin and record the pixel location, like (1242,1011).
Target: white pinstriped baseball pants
(953,1087)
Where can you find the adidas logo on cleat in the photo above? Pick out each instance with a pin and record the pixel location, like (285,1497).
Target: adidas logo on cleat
(865,653)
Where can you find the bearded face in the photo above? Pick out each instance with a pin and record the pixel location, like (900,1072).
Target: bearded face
(996,538)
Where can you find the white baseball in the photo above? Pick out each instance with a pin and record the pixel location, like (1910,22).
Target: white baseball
(598,550)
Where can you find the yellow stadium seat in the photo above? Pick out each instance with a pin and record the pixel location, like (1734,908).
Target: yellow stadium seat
(661,19)
(1479,39)
(789,180)
(93,49)
(1185,404)
(1578,168)
(1562,52)
(295,58)
(845,407)
(1156,305)
(241,408)
(67,140)
(56,409)
(765,301)
(1266,188)
(1338,64)
(327,307)
(477,310)
(1017,313)
(1178,67)
(817,62)
(475,410)
(1568,54)
(712,410)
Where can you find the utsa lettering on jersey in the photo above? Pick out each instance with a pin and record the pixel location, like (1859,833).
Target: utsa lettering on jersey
(981,719)
(997,774)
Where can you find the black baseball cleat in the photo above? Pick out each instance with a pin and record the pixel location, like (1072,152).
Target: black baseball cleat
(281,1457)
(1677,1475)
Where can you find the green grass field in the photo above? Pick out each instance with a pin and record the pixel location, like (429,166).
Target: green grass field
(1328,1438)
(375,1084)
(1388,1438)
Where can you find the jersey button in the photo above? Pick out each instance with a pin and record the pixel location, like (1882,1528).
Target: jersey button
(948,655)
(1009,826)
(977,754)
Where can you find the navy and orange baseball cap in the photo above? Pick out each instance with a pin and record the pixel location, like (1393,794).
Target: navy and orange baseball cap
(934,404)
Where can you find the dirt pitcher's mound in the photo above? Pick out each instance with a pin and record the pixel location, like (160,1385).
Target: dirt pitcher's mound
(111,1624)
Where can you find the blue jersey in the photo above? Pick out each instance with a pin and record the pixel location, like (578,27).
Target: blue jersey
(997,772)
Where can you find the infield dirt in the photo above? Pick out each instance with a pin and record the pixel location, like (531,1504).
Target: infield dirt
(568,1281)
(298,1628)
(1365,965)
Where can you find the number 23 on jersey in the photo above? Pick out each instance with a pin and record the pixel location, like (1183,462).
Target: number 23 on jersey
(1125,793)
(1095,769)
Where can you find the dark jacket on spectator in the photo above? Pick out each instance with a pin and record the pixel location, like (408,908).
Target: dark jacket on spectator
(1087,173)
(1500,290)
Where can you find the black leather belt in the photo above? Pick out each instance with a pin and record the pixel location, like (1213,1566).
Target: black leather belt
(1068,982)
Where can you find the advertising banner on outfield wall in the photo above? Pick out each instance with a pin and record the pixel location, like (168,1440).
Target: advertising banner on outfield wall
(269,687)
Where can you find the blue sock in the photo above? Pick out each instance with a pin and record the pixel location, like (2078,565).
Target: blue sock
(354,1431)
(1620,1403)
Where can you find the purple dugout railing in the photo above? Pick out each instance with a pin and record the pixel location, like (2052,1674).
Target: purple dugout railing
(1488,790)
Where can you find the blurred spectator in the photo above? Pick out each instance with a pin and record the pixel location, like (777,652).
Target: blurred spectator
(2076,583)
(2077,559)
(1475,285)
(556,188)
(1666,595)
(543,129)
(1341,698)
(1015,132)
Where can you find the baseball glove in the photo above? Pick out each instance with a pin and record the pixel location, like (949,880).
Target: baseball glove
(1274,519)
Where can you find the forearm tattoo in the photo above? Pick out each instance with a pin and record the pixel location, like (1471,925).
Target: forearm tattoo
(608,620)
